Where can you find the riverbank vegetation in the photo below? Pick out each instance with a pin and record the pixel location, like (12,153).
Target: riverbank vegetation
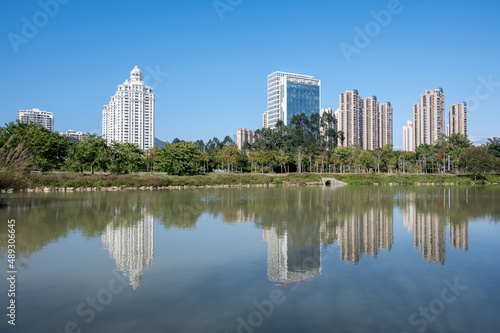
(305,150)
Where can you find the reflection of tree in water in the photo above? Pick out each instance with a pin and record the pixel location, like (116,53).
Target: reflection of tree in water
(308,216)
(42,219)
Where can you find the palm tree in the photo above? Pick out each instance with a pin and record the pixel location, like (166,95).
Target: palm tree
(494,146)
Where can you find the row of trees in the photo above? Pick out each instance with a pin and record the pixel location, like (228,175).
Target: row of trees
(307,144)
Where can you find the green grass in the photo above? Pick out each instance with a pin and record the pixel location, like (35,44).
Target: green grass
(13,180)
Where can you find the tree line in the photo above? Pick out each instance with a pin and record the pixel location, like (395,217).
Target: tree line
(307,144)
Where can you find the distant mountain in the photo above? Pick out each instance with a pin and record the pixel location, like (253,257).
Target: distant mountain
(159,143)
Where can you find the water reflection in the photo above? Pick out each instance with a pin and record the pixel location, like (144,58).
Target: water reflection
(289,262)
(296,223)
(365,233)
(132,247)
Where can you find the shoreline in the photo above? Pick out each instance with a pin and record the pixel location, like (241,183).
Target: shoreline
(71,182)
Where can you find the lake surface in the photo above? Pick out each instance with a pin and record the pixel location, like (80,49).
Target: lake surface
(348,259)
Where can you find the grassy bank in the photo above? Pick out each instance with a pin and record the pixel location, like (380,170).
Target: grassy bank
(18,181)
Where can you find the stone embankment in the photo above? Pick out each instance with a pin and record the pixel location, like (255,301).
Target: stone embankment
(151,188)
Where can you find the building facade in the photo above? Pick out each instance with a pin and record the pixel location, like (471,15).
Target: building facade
(44,118)
(458,119)
(408,137)
(364,121)
(243,135)
(264,120)
(73,135)
(289,94)
(349,118)
(386,124)
(129,116)
(370,123)
(428,117)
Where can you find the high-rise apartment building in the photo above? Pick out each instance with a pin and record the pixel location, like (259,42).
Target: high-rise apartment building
(73,135)
(370,123)
(428,117)
(243,135)
(264,120)
(289,94)
(44,118)
(385,122)
(364,121)
(331,112)
(129,116)
(458,119)
(349,118)
(408,137)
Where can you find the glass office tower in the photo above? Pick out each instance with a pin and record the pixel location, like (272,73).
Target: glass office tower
(289,94)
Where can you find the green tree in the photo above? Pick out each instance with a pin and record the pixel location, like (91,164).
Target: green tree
(477,160)
(126,157)
(366,160)
(494,146)
(48,149)
(151,157)
(91,153)
(180,159)
(229,155)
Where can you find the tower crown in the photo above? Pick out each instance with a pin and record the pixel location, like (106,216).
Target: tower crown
(136,74)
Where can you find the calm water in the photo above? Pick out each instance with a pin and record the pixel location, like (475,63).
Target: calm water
(349,259)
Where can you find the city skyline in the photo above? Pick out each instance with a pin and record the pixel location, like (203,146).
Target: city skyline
(194,70)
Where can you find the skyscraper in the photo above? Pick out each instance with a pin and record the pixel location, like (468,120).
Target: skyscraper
(428,117)
(408,137)
(129,116)
(289,94)
(44,118)
(364,121)
(385,122)
(458,119)
(370,123)
(264,120)
(349,118)
(243,135)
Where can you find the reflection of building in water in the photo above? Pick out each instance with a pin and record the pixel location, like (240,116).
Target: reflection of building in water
(289,261)
(365,234)
(409,213)
(131,247)
(244,216)
(459,235)
(429,235)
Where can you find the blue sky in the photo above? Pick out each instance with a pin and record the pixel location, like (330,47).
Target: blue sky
(217,68)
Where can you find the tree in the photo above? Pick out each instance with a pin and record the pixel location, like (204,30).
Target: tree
(48,149)
(126,157)
(180,159)
(494,146)
(282,159)
(366,160)
(388,157)
(229,155)
(378,153)
(342,155)
(151,158)
(477,160)
(92,152)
